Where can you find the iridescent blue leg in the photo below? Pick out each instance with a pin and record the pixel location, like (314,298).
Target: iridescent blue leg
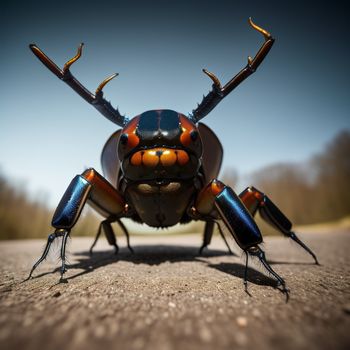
(88,187)
(230,209)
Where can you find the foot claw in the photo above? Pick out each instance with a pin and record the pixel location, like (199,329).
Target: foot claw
(26,279)
(258,252)
(285,291)
(296,239)
(246,288)
(30,275)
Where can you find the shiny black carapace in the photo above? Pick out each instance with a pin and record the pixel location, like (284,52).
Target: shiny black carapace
(161,169)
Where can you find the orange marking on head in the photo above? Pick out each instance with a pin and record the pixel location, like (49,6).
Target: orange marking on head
(185,138)
(187,124)
(182,157)
(136,158)
(217,187)
(130,130)
(133,140)
(168,157)
(187,127)
(150,158)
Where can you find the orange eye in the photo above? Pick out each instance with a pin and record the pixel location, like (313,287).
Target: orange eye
(189,131)
(129,140)
(168,158)
(150,158)
(128,137)
(182,157)
(185,138)
(136,158)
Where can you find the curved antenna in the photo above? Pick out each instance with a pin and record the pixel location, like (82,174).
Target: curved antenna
(218,92)
(97,100)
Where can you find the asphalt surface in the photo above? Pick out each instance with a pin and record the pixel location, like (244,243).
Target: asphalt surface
(166,296)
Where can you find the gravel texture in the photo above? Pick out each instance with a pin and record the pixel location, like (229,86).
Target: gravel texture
(166,296)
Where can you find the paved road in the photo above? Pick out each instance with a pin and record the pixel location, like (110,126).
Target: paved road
(166,296)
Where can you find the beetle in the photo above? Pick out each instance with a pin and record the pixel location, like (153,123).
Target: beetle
(161,169)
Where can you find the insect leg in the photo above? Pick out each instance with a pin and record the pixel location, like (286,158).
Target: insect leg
(224,239)
(246,273)
(109,203)
(63,252)
(126,233)
(260,254)
(105,225)
(208,234)
(255,200)
(219,200)
(109,233)
(89,187)
(96,237)
(50,239)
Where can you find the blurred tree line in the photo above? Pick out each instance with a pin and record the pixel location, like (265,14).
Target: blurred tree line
(317,191)
(22,217)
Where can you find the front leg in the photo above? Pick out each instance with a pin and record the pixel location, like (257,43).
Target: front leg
(89,187)
(218,200)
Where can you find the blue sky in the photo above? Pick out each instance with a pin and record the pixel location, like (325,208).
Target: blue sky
(287,111)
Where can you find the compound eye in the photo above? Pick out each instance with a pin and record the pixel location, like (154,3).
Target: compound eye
(194,135)
(129,140)
(189,133)
(124,139)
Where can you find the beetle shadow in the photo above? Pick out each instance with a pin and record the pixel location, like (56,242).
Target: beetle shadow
(156,255)
(253,276)
(143,254)
(276,262)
